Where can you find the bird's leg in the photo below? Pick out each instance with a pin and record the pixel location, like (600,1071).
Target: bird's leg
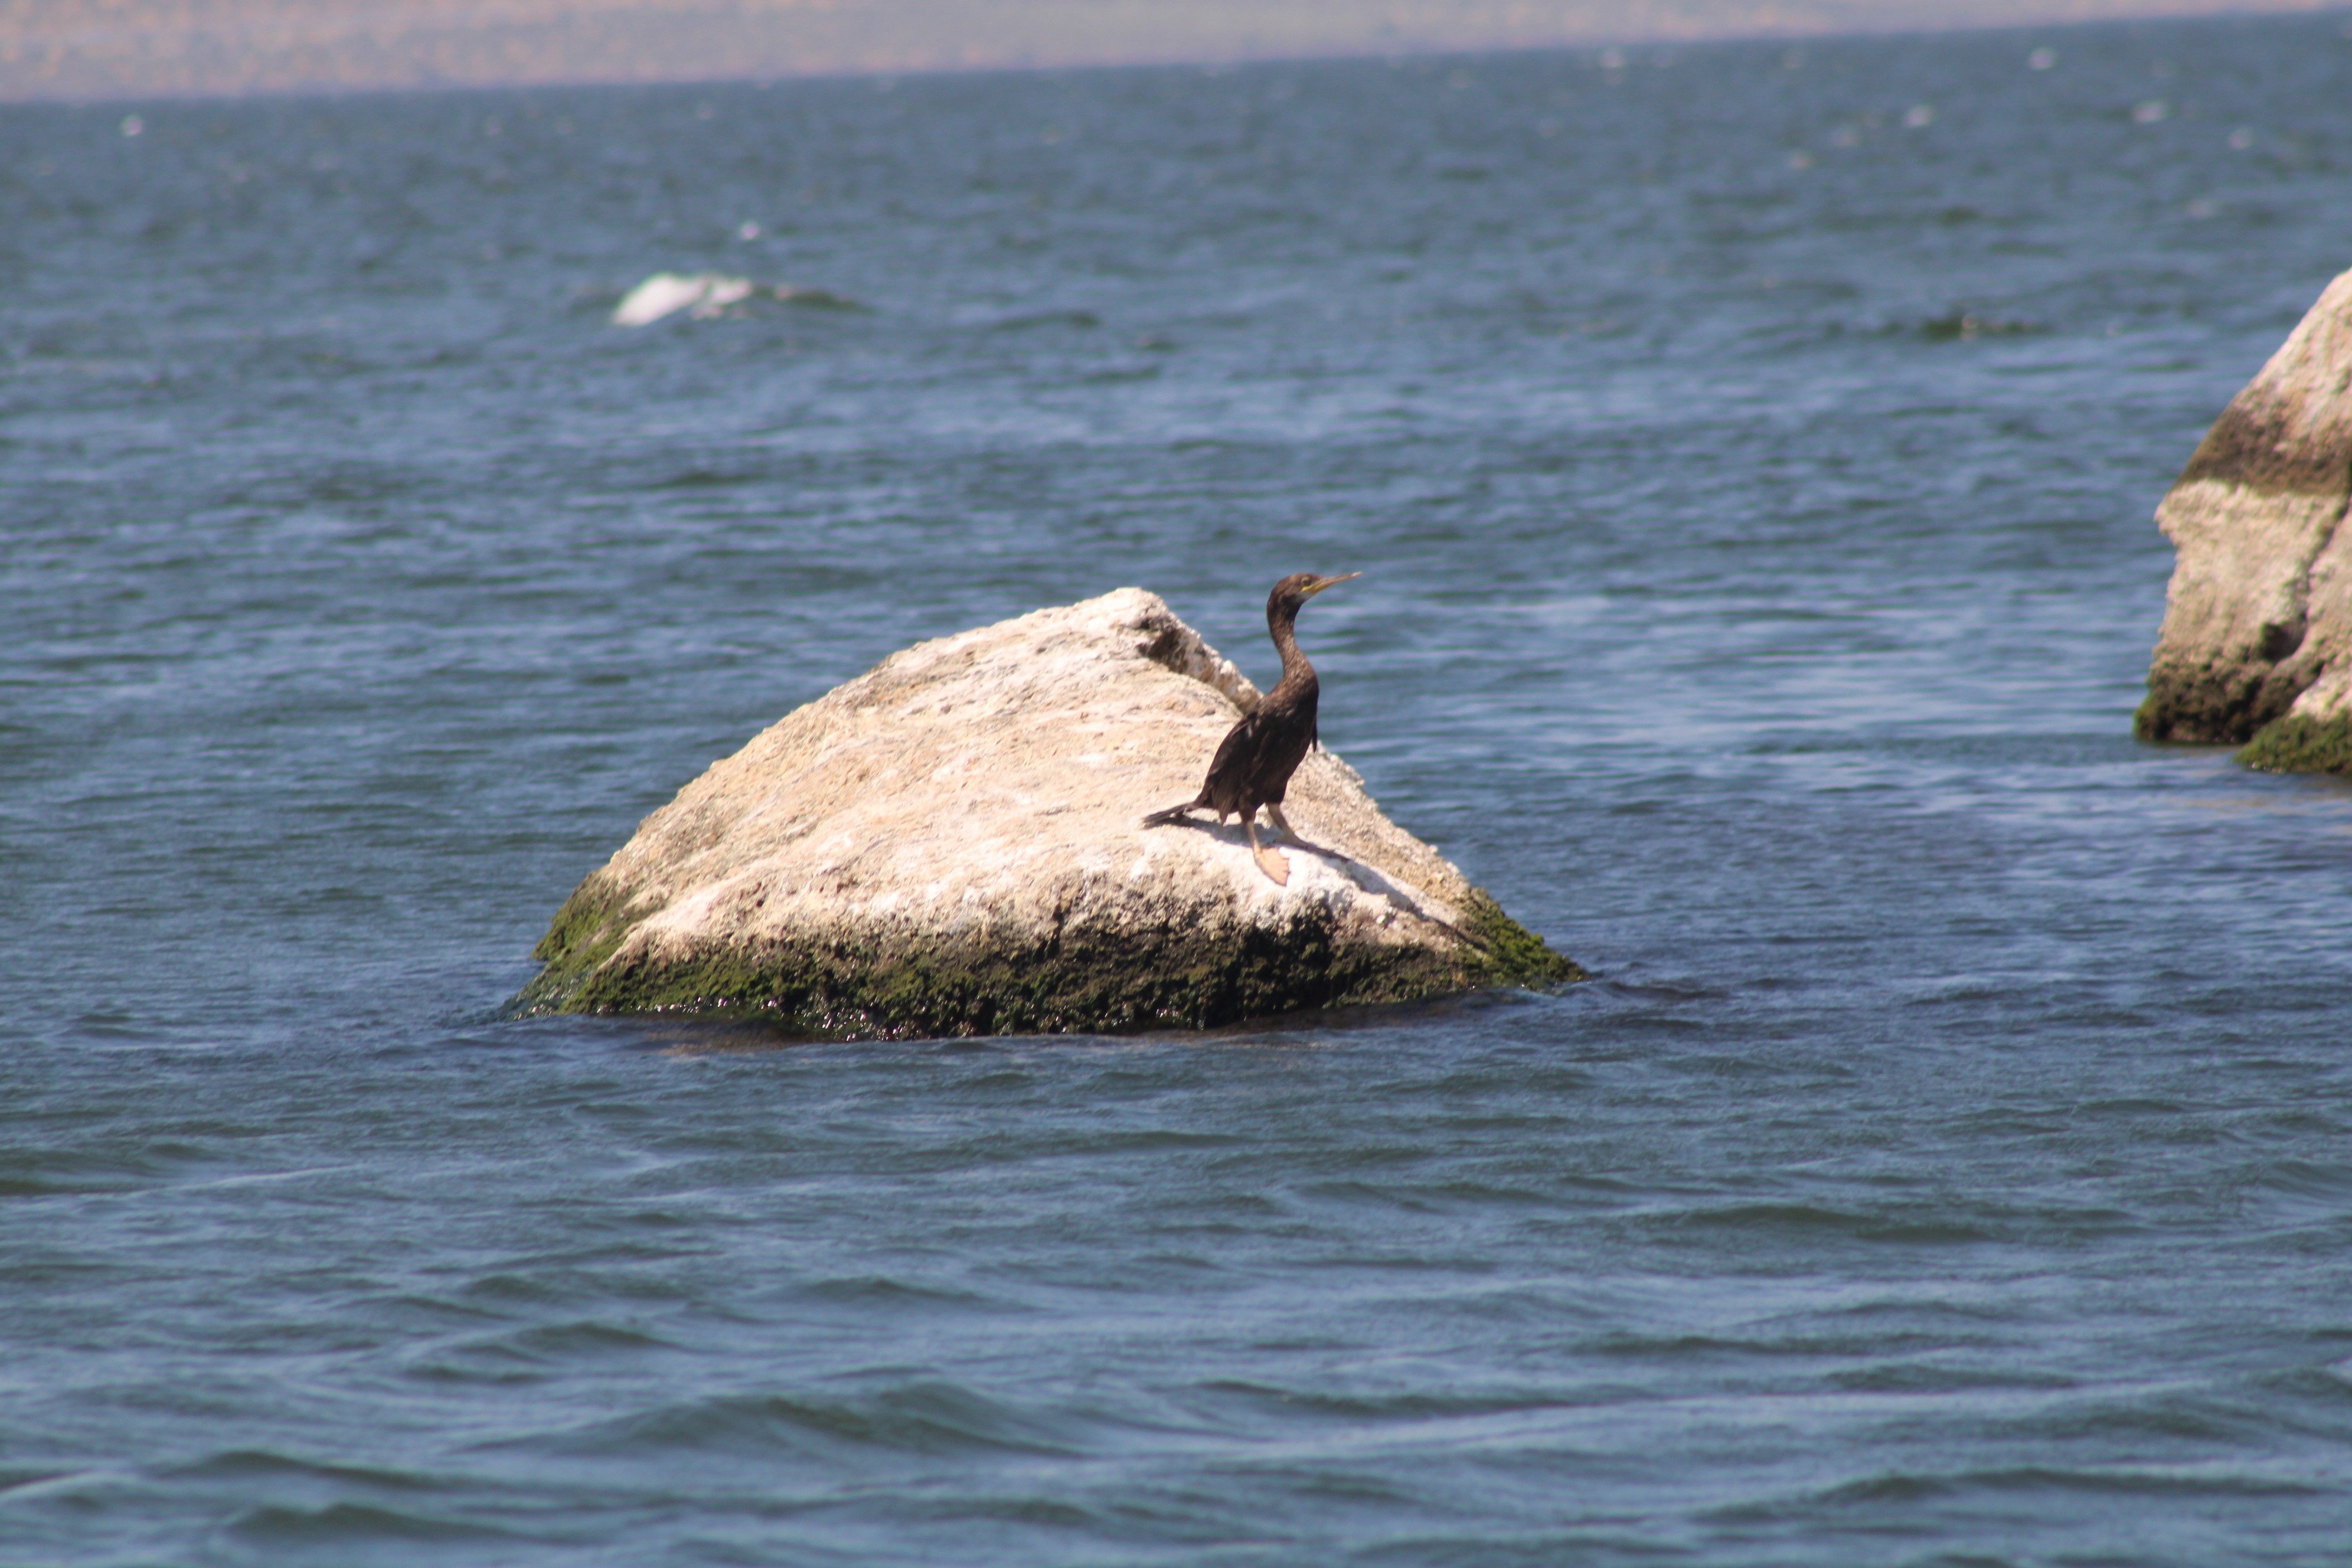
(1269,861)
(1299,838)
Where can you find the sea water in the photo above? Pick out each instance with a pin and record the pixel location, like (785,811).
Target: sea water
(1749,450)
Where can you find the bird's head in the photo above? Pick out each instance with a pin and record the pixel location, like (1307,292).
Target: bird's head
(1296,589)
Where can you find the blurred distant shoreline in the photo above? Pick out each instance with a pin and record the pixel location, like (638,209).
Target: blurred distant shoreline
(100,50)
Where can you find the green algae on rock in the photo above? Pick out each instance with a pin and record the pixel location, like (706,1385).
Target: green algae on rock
(2299,744)
(952,845)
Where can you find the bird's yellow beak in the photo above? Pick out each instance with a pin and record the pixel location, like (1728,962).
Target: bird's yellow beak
(1321,583)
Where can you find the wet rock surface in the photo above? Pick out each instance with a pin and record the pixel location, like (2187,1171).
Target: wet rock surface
(952,844)
(2256,644)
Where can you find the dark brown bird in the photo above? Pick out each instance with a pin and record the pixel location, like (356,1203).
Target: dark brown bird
(1253,764)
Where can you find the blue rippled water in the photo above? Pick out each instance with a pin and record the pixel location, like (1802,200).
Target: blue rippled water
(1749,452)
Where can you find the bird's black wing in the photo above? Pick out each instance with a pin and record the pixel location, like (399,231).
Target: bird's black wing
(1234,751)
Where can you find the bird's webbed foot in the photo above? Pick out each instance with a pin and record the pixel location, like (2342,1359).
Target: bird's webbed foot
(1270,861)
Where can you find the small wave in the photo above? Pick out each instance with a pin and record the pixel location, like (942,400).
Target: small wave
(2332,1383)
(875,1290)
(512,1287)
(2185,1480)
(1912,1489)
(355,1525)
(1802,1218)
(2173,1417)
(1967,326)
(815,299)
(518,1356)
(1082,320)
(551,1341)
(1937,1377)
(2329,1183)
(246,1464)
(706,296)
(927,1417)
(1400,1406)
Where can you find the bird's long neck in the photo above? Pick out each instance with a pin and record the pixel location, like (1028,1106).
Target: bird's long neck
(1295,672)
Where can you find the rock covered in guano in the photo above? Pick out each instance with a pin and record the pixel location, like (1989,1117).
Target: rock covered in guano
(2257,638)
(952,844)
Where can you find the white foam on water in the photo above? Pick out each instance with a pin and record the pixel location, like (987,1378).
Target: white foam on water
(702,294)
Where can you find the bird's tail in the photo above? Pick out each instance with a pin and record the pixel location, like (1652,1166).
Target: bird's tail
(1159,817)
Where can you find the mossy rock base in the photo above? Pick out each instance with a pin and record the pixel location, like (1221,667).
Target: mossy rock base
(2297,745)
(877,987)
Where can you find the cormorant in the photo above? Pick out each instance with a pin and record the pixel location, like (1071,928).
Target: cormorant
(1253,764)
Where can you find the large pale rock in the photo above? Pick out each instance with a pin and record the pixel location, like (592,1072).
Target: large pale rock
(950,844)
(2258,619)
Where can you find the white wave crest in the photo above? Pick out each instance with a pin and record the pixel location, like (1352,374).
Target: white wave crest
(702,294)
(706,295)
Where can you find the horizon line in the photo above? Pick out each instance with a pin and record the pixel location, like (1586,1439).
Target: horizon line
(334,61)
